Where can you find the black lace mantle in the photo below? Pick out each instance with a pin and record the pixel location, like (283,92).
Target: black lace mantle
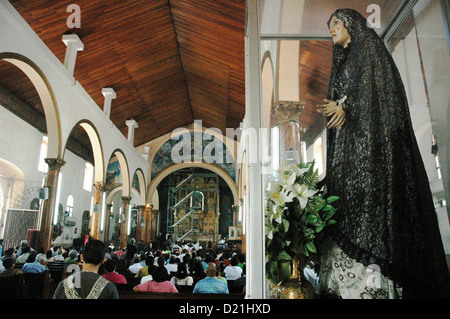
(386,214)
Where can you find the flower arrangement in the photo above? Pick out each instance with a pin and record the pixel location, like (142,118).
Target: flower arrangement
(296,212)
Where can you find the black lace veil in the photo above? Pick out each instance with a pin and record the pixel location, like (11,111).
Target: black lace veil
(386,213)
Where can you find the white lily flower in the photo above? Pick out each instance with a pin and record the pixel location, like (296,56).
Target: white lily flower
(300,171)
(303,194)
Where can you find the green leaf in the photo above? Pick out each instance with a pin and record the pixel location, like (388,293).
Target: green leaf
(312,219)
(311,247)
(284,270)
(284,256)
(272,271)
(328,207)
(319,229)
(331,222)
(286,225)
(329,214)
(332,199)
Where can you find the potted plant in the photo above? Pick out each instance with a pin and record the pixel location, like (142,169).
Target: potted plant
(296,212)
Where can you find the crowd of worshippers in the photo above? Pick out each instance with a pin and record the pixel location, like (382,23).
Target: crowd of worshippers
(182,265)
(209,270)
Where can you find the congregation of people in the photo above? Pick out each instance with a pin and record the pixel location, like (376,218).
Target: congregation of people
(182,267)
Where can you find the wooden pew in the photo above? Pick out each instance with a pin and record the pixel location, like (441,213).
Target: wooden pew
(160,295)
(40,285)
(57,271)
(12,287)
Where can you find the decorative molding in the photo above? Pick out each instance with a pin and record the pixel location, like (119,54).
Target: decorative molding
(54,163)
(287,110)
(100,186)
(126,199)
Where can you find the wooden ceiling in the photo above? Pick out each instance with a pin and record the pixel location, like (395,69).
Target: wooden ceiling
(170,62)
(315,61)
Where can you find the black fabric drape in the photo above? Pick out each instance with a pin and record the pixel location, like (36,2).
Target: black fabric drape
(386,213)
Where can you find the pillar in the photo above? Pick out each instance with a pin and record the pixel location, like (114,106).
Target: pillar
(255,213)
(154,224)
(107,222)
(140,230)
(74,44)
(124,225)
(97,213)
(48,207)
(148,224)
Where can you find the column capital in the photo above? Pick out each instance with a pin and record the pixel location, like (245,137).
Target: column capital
(54,163)
(126,199)
(100,186)
(287,110)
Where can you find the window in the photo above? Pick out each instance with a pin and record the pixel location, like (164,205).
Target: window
(1,198)
(275,140)
(88,177)
(318,155)
(43,167)
(69,206)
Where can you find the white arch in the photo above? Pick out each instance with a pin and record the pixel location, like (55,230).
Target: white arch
(97,149)
(124,171)
(142,186)
(173,168)
(48,100)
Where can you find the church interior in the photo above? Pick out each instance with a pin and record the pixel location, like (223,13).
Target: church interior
(127,120)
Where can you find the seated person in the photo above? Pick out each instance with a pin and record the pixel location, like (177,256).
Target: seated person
(148,268)
(9,270)
(34,264)
(88,284)
(182,277)
(211,284)
(22,259)
(172,265)
(233,271)
(109,266)
(134,268)
(159,283)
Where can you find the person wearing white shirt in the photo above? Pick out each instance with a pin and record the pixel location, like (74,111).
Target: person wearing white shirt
(233,271)
(134,268)
(172,265)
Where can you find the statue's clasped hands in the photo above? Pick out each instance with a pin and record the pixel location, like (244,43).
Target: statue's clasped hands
(334,109)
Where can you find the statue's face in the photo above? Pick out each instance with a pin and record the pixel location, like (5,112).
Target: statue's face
(339,33)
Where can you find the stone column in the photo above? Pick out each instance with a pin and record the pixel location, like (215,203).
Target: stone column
(154,224)
(148,224)
(107,222)
(48,207)
(256,277)
(124,225)
(140,230)
(97,213)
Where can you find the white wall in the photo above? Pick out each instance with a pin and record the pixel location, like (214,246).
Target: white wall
(407,58)
(23,151)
